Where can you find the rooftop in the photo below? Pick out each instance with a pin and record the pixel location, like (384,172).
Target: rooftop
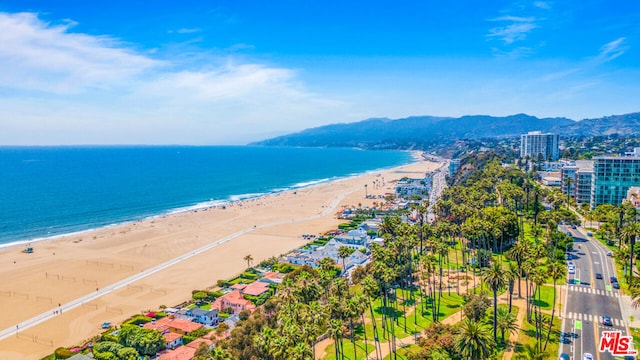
(168,322)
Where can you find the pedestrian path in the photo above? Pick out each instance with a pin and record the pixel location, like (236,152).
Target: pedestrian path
(587,290)
(592,318)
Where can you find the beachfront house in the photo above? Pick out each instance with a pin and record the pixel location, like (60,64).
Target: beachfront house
(234,301)
(272,277)
(355,239)
(370,225)
(180,353)
(173,339)
(195,344)
(414,187)
(171,324)
(205,317)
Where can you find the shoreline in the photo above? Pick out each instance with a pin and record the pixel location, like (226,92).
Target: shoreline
(416,156)
(69,268)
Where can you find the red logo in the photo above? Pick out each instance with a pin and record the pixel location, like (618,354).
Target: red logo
(617,344)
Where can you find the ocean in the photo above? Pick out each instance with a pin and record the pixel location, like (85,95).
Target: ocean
(51,191)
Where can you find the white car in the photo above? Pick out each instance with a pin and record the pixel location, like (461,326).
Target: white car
(572,271)
(570,263)
(587,356)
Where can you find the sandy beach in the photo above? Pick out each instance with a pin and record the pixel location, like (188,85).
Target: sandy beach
(67,268)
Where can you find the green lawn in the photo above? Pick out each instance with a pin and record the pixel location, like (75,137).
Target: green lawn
(527,337)
(546,297)
(402,352)
(330,351)
(415,321)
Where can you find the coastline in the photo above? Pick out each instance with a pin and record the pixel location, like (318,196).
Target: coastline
(69,267)
(416,156)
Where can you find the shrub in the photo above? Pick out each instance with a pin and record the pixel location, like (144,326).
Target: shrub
(63,353)
(284,268)
(138,320)
(199,296)
(223,283)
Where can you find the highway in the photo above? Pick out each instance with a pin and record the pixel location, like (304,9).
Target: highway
(589,299)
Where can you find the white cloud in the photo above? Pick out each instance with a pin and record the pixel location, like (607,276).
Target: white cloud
(542,5)
(188,31)
(49,57)
(512,33)
(515,19)
(611,50)
(68,87)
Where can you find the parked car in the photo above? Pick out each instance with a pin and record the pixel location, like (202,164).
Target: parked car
(587,356)
(607,321)
(609,253)
(564,356)
(574,227)
(570,263)
(613,279)
(616,285)
(598,276)
(572,271)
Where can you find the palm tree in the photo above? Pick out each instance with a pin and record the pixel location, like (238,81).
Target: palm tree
(474,340)
(219,353)
(555,271)
(631,232)
(343,253)
(336,332)
(495,279)
(532,352)
(506,322)
(511,275)
(248,259)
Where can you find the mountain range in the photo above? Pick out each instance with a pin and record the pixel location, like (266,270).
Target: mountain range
(422,132)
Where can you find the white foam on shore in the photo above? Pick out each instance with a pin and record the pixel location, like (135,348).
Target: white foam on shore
(236,198)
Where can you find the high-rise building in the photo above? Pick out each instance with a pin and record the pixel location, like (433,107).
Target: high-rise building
(535,144)
(612,178)
(576,180)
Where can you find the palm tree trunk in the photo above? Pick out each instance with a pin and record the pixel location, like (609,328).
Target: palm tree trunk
(495,315)
(364,330)
(510,295)
(553,311)
(633,243)
(376,339)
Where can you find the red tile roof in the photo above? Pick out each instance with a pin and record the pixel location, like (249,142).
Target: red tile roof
(256,288)
(196,343)
(233,298)
(169,323)
(180,353)
(171,336)
(239,286)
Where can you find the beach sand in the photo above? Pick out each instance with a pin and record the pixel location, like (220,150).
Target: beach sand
(64,269)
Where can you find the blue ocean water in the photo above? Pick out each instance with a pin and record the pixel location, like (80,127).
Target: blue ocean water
(48,191)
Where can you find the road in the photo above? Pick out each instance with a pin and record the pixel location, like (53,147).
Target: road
(589,299)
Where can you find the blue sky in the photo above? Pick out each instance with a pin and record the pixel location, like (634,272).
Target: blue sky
(230,72)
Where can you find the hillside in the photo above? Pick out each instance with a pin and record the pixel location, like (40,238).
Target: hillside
(422,132)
